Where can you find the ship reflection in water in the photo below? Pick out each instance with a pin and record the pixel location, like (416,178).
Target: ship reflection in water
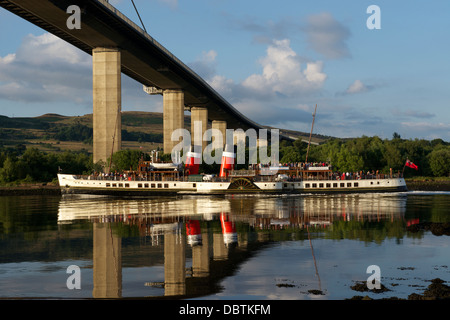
(200,241)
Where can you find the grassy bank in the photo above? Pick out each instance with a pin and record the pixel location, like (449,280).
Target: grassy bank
(428,183)
(28,189)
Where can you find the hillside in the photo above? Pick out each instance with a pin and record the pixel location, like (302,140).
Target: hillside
(57,133)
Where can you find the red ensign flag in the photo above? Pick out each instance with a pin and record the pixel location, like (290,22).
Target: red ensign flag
(411,165)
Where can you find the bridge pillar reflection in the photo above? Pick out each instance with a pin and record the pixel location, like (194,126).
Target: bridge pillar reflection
(107,97)
(173,116)
(107,261)
(200,258)
(174,263)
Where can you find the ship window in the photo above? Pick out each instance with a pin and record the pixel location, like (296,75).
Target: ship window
(342,185)
(108,185)
(371,182)
(285,185)
(356,184)
(314,185)
(349,184)
(320,185)
(120,185)
(194,185)
(153,185)
(334,185)
(328,185)
(166,185)
(145,185)
(159,185)
(307,185)
(114,185)
(127,185)
(139,185)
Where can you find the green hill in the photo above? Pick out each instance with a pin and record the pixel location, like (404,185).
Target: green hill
(57,133)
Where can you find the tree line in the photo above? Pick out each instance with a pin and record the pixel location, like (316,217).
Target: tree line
(21,164)
(373,153)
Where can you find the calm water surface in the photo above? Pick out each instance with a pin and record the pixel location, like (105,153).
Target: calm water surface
(294,247)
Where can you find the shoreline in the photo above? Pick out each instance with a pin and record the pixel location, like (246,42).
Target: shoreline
(35,189)
(427,185)
(53,189)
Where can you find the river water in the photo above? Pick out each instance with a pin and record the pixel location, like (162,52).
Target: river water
(292,247)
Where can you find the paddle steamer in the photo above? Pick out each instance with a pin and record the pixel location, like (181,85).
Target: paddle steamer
(155,179)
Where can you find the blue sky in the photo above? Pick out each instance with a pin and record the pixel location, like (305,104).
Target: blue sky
(274,61)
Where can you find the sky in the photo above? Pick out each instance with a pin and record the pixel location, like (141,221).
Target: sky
(274,61)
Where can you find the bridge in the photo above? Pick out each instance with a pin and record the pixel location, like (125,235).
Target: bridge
(118,45)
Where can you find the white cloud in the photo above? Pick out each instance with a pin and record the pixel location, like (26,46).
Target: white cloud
(8,59)
(270,96)
(356,87)
(222,84)
(39,50)
(206,64)
(45,68)
(283,72)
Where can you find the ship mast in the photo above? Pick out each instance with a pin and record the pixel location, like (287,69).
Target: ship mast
(114,138)
(310,134)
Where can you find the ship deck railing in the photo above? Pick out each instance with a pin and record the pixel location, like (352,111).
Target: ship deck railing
(247,174)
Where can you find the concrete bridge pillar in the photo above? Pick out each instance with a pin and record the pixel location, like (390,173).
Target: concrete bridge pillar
(107,100)
(222,127)
(173,116)
(199,124)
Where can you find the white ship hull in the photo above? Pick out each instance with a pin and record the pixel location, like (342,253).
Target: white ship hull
(71,184)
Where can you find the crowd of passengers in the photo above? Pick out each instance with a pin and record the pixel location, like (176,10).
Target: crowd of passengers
(120,176)
(134,176)
(291,165)
(342,176)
